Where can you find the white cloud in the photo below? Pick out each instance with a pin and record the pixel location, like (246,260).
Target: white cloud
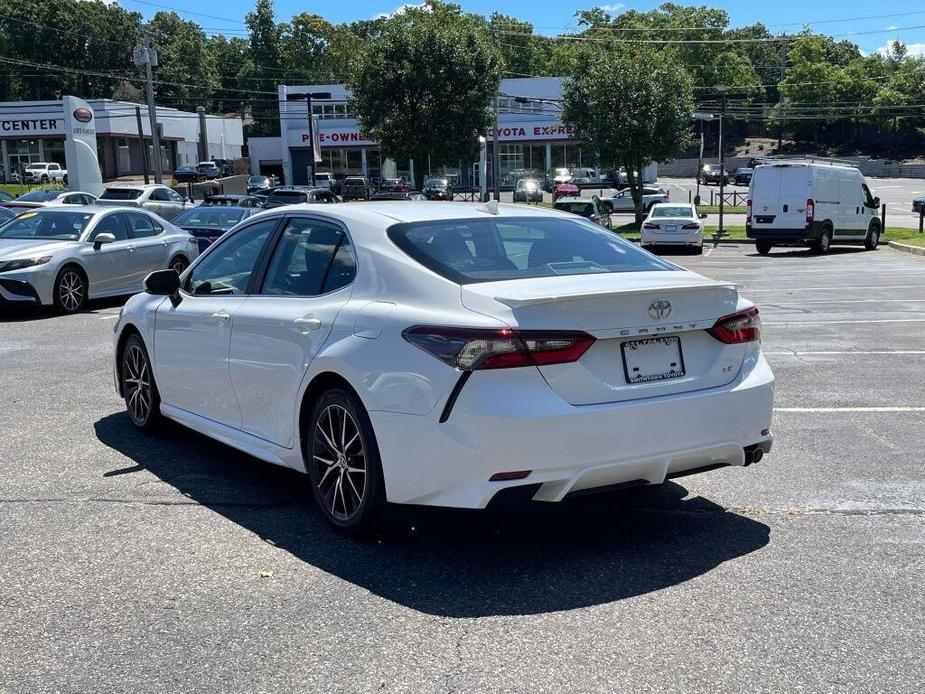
(892,27)
(401,9)
(913,50)
(613,8)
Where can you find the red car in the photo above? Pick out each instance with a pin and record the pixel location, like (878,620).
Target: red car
(563,189)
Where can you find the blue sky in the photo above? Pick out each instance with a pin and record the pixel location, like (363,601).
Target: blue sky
(836,17)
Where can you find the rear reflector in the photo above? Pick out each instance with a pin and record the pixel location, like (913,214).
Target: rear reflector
(744,326)
(470,349)
(507,476)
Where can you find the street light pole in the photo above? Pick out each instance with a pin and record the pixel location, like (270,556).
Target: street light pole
(495,163)
(307,97)
(700,116)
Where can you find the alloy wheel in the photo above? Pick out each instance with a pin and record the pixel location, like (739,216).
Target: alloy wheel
(136,380)
(339,457)
(71,290)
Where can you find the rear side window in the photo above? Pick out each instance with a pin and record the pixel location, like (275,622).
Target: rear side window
(312,257)
(477,250)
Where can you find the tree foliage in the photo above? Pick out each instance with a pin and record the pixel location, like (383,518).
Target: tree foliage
(425,85)
(630,108)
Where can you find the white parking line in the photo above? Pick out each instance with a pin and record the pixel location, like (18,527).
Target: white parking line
(843,322)
(849,409)
(837,288)
(798,353)
(829,302)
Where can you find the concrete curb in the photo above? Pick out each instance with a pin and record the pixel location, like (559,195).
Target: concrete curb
(916,250)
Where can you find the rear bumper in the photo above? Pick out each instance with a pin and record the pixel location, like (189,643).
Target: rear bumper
(671,238)
(805,234)
(519,423)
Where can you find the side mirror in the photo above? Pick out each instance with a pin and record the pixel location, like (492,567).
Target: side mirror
(163,283)
(876,202)
(100,239)
(702,215)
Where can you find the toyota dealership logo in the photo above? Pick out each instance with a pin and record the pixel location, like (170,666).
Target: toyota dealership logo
(83,115)
(660,308)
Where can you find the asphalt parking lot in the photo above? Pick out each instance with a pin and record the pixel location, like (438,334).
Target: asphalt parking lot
(175,564)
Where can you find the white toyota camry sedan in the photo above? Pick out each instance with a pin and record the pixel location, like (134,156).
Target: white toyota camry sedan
(439,353)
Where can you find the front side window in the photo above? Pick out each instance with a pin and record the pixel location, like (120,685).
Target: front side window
(64,226)
(228,266)
(313,257)
(477,250)
(173,196)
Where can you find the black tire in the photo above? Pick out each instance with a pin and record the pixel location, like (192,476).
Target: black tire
(697,250)
(70,290)
(763,247)
(142,400)
(873,237)
(824,242)
(179,263)
(344,468)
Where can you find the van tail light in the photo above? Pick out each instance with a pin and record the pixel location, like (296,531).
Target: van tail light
(650,225)
(471,349)
(744,326)
(810,211)
(691,225)
(748,211)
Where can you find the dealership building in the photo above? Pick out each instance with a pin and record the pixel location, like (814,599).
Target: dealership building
(530,136)
(32,131)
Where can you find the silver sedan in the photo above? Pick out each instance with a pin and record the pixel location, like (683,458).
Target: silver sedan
(63,256)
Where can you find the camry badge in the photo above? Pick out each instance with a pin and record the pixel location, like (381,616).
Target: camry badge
(660,308)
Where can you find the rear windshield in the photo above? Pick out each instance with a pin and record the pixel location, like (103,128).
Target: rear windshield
(585,209)
(39,195)
(212,217)
(120,194)
(477,250)
(673,211)
(288,197)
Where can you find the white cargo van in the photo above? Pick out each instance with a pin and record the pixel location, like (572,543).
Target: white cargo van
(811,203)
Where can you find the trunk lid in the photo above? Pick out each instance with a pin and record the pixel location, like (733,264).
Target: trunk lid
(644,348)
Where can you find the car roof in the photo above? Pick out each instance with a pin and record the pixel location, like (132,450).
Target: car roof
(573,198)
(136,186)
(386,212)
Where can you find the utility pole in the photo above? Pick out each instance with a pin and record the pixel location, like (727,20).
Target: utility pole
(722,164)
(780,127)
(145,55)
(144,147)
(307,97)
(495,162)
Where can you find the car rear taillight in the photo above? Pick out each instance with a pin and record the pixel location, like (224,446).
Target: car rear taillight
(471,349)
(744,326)
(691,225)
(748,211)
(810,211)
(650,225)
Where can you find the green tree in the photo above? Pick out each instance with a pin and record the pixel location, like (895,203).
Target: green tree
(186,65)
(263,69)
(425,86)
(616,103)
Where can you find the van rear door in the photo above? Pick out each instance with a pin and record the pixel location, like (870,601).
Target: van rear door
(779,193)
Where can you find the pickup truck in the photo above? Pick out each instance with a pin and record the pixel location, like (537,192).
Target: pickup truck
(356,188)
(44,172)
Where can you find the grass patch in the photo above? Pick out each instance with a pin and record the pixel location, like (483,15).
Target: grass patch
(18,189)
(727,209)
(910,237)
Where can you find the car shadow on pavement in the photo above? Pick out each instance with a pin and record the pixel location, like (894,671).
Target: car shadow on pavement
(22,314)
(515,558)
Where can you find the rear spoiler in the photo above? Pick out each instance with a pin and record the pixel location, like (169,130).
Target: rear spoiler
(520,302)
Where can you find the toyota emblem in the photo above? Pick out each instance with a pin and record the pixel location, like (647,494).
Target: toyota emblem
(660,308)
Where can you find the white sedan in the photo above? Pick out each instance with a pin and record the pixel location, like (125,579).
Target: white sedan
(673,225)
(623,201)
(439,353)
(62,256)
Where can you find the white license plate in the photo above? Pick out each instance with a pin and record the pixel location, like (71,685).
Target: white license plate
(671,227)
(652,359)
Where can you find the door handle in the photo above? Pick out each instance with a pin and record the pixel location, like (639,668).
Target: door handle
(131,249)
(222,315)
(306,325)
